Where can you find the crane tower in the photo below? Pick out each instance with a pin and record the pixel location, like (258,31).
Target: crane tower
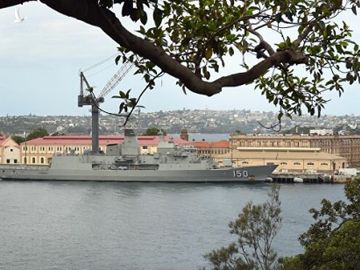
(91,100)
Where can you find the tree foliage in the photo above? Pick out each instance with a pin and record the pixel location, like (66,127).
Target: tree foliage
(37,133)
(153,131)
(293,50)
(333,241)
(18,139)
(255,228)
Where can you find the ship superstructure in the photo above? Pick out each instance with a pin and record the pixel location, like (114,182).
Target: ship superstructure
(171,163)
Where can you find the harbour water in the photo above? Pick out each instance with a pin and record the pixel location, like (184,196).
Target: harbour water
(76,225)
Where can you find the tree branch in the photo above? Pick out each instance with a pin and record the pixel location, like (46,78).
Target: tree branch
(90,12)
(10,3)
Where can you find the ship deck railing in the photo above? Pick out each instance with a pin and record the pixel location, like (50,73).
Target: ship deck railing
(23,167)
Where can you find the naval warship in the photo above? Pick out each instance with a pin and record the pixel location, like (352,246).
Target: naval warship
(124,163)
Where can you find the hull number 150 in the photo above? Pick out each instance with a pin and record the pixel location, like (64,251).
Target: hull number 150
(241,174)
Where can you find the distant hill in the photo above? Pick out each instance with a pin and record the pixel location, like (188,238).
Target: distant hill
(195,121)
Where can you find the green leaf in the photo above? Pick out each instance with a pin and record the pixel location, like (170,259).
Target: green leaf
(117,59)
(353,9)
(231,51)
(278,18)
(122,94)
(143,17)
(157,16)
(208,53)
(121,107)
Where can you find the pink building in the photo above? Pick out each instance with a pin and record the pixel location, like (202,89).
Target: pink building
(9,151)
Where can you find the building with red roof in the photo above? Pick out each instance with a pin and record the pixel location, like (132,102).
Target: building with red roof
(40,151)
(211,149)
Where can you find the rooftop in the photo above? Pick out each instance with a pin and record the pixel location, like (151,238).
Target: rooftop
(207,145)
(103,140)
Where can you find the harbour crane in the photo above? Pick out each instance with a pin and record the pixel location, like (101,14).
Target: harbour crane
(91,100)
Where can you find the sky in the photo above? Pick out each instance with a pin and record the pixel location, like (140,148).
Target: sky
(41,57)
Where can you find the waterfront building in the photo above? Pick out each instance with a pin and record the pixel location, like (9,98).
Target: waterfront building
(288,159)
(302,160)
(9,151)
(345,146)
(40,151)
(211,149)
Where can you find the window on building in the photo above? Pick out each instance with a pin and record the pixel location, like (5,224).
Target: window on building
(310,163)
(15,161)
(42,160)
(324,164)
(245,162)
(144,147)
(297,163)
(8,161)
(283,163)
(33,160)
(25,160)
(11,150)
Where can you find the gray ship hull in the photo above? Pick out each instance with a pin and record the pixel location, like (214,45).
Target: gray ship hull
(124,163)
(245,174)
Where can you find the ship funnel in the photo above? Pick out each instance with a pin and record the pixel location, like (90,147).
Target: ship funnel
(130,146)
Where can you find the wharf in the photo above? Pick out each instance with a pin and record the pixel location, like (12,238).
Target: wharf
(314,178)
